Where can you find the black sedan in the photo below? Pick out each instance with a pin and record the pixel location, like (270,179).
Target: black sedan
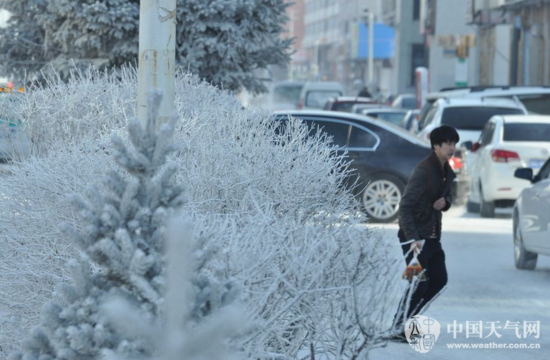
(532,218)
(383,156)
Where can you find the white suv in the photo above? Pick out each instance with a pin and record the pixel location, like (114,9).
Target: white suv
(468,116)
(506,143)
(536,99)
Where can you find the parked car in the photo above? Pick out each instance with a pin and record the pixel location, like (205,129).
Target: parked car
(405,101)
(468,116)
(282,95)
(531,219)
(536,99)
(7,133)
(315,94)
(14,143)
(461,186)
(346,103)
(382,154)
(506,143)
(386,99)
(410,121)
(358,108)
(391,115)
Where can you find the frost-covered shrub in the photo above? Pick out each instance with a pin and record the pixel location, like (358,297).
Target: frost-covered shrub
(274,201)
(91,104)
(124,235)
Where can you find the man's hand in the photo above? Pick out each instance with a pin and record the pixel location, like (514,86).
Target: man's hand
(440,204)
(417,246)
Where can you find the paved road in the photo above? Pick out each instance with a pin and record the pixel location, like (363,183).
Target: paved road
(484,285)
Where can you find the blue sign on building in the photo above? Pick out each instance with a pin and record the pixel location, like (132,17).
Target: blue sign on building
(383,44)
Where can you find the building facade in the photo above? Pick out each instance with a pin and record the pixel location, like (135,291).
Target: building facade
(404,16)
(450,43)
(332,36)
(514,41)
(295,28)
(530,45)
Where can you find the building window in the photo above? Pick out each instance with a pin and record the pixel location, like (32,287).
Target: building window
(417,59)
(416,10)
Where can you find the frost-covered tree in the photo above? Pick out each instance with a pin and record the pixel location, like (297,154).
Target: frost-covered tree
(198,332)
(312,272)
(221,41)
(225,41)
(122,238)
(22,43)
(55,35)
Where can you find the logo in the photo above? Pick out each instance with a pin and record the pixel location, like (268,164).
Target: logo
(422,332)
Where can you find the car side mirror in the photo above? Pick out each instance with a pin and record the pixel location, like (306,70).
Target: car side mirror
(468,145)
(475,147)
(524,173)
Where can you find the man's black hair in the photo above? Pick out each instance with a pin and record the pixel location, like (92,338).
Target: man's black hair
(444,134)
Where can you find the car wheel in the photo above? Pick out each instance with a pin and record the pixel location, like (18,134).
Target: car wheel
(381,198)
(525,260)
(487,208)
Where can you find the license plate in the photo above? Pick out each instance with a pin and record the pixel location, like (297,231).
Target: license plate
(536,163)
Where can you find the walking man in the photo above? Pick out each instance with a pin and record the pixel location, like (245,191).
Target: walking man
(427,194)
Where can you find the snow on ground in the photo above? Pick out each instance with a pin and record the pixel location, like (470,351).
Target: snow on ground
(484,285)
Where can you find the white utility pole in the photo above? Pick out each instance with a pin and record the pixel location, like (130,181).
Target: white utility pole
(157,56)
(370,16)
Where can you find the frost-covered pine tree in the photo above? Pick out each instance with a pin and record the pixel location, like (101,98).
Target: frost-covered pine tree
(221,41)
(225,41)
(54,35)
(22,42)
(182,332)
(122,237)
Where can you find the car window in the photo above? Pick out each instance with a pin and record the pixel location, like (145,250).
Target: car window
(545,171)
(360,138)
(536,103)
(318,98)
(526,132)
(408,103)
(429,117)
(473,117)
(338,131)
(423,113)
(406,122)
(393,138)
(358,109)
(287,93)
(392,117)
(343,106)
(487,134)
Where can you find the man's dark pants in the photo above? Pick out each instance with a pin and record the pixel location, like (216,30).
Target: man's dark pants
(432,260)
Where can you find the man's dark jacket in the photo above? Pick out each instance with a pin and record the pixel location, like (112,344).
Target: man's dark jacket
(428,182)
